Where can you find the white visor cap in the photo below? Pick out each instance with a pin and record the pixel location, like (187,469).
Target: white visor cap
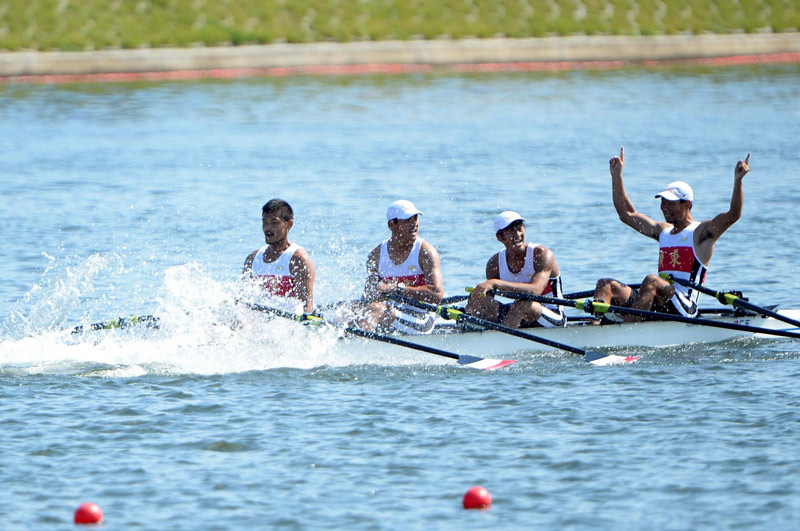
(504,219)
(677,191)
(402,209)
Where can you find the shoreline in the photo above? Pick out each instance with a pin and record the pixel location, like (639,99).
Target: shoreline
(548,53)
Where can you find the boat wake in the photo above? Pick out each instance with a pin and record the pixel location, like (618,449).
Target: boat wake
(201,330)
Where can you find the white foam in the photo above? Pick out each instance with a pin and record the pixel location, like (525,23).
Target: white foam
(202,331)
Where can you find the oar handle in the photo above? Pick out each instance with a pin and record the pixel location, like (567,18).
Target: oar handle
(453,299)
(308,318)
(570,296)
(587,305)
(591,292)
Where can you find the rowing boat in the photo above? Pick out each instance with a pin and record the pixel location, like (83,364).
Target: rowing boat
(581,332)
(466,338)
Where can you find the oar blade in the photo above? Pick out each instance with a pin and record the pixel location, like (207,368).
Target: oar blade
(486,364)
(600,359)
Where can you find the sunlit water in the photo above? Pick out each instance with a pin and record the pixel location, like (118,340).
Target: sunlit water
(145,199)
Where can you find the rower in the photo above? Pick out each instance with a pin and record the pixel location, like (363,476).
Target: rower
(685,245)
(281,268)
(520,267)
(403,265)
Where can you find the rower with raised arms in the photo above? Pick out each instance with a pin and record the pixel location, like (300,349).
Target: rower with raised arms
(685,244)
(282,268)
(520,267)
(404,265)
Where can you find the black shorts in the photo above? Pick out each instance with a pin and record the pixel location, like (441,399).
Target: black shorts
(549,318)
(668,307)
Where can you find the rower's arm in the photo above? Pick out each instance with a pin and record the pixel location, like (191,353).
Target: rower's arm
(485,288)
(248,263)
(624,206)
(709,231)
(545,266)
(493,267)
(371,291)
(433,289)
(304,273)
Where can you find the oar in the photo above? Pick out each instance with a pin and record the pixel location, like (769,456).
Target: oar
(732,299)
(591,306)
(592,356)
(333,305)
(447,301)
(474,362)
(150,321)
(575,295)
(590,292)
(308,318)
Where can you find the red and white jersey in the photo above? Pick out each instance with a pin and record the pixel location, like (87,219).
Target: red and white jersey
(525,274)
(275,277)
(408,319)
(409,272)
(676,256)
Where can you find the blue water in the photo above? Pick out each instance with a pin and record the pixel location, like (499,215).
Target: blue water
(145,199)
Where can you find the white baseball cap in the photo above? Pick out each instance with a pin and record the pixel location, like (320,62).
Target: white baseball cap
(677,191)
(402,209)
(504,219)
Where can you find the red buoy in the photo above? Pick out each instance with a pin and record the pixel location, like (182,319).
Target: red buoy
(477,498)
(88,513)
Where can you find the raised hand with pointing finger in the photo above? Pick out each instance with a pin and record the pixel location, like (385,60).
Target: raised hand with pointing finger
(615,164)
(742,167)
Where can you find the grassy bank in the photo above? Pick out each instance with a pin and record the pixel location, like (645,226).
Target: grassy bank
(72,25)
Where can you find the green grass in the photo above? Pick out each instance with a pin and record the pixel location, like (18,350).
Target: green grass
(108,24)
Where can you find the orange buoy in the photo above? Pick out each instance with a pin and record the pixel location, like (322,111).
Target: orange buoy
(88,513)
(477,498)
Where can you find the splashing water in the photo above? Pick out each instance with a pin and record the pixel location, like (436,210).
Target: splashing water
(61,292)
(202,330)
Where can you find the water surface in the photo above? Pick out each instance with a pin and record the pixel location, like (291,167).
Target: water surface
(145,198)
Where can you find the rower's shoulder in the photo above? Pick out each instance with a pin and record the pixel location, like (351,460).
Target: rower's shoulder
(428,253)
(708,231)
(248,262)
(543,252)
(374,256)
(705,225)
(659,227)
(300,252)
(251,257)
(427,247)
(493,264)
(301,262)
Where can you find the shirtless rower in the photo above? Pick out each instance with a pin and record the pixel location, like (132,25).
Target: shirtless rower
(520,267)
(405,265)
(685,245)
(282,268)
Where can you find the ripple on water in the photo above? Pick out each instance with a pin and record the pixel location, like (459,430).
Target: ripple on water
(196,426)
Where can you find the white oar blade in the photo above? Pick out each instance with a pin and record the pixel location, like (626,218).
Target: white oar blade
(485,364)
(600,359)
